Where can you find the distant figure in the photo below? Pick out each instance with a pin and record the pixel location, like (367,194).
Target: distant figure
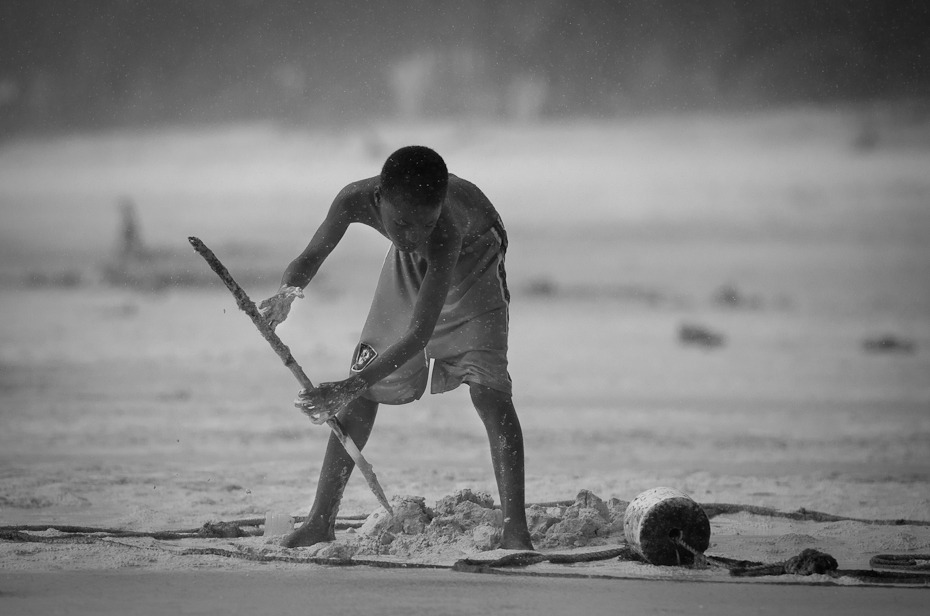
(130,238)
(700,336)
(442,295)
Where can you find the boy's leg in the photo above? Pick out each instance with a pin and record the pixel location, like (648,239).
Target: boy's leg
(506,438)
(357,420)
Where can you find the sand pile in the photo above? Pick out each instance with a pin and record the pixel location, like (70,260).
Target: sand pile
(467,522)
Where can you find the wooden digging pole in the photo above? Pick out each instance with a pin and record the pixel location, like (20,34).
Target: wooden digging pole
(248,306)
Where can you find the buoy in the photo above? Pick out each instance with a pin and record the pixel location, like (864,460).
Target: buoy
(659,519)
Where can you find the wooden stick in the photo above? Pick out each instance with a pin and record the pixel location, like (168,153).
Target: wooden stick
(248,306)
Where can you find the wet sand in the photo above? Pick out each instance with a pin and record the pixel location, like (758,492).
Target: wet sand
(143,409)
(321,590)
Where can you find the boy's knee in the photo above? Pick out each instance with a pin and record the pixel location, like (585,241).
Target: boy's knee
(483,392)
(490,402)
(360,410)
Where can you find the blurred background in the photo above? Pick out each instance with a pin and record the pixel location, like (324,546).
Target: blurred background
(116,63)
(118,116)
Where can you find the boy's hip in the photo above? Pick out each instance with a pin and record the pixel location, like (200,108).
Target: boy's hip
(409,381)
(472,350)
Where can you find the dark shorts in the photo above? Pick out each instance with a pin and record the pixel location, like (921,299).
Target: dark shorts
(469,344)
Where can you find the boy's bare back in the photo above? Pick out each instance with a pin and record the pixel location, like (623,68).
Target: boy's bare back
(466,213)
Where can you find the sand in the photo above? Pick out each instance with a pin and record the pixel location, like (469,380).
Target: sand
(153,407)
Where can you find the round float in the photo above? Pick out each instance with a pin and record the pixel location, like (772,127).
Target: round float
(658,520)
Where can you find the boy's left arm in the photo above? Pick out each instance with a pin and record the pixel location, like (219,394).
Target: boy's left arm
(330,398)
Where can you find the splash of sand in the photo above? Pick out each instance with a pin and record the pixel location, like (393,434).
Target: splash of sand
(468,522)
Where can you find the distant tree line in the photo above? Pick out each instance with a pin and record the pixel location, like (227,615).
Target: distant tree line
(66,64)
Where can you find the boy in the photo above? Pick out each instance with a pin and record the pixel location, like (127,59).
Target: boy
(442,295)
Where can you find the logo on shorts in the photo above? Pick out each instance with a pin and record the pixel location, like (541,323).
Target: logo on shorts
(364,355)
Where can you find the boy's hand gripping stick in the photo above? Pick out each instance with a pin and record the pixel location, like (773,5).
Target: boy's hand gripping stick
(247,306)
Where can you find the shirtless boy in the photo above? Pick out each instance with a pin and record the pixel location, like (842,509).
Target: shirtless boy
(442,295)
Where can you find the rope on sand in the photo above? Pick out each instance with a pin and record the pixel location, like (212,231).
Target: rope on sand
(227,529)
(907,562)
(214,529)
(808,562)
(802,514)
(210,530)
(910,569)
(268,557)
(736,568)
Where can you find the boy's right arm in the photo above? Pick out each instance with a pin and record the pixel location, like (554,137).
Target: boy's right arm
(301,270)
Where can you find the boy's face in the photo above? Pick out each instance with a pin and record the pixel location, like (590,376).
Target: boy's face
(408,227)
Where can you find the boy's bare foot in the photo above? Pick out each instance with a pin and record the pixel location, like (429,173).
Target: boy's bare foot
(306,536)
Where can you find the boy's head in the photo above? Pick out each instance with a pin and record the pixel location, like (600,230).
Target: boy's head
(414,176)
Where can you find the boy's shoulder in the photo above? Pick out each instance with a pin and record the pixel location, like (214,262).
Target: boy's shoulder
(358,190)
(467,193)
(355,202)
(462,187)
(472,210)
(468,209)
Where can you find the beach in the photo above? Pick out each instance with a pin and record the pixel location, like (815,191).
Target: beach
(735,307)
